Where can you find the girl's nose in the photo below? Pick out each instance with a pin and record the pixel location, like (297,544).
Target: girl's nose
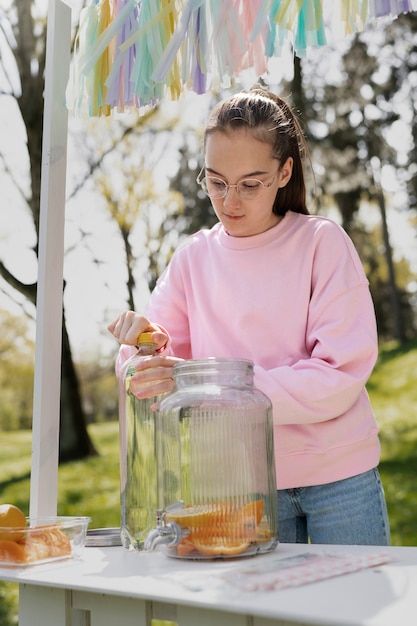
(231,198)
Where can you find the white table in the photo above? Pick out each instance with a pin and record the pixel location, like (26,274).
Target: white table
(112,587)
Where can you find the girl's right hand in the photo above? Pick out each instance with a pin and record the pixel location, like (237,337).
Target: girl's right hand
(129,325)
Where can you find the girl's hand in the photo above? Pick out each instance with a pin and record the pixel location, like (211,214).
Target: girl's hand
(129,325)
(154,376)
(154,373)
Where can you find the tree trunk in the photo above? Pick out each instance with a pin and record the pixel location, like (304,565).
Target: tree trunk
(297,91)
(398,329)
(74,440)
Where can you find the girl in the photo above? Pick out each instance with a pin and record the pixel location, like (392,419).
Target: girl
(287,290)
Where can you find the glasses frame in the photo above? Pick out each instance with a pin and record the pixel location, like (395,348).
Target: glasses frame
(201,181)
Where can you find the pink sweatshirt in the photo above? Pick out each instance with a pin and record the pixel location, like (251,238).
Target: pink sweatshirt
(295,300)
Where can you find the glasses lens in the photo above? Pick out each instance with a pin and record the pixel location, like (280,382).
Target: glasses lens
(214,187)
(249,188)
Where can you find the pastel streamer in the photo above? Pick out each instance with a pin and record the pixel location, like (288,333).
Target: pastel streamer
(178,37)
(275,36)
(255,46)
(131,53)
(228,42)
(310,27)
(120,93)
(390,8)
(148,48)
(97,77)
(353,15)
(92,60)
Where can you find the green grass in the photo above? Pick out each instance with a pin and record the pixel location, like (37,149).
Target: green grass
(393,392)
(97,494)
(88,487)
(91,487)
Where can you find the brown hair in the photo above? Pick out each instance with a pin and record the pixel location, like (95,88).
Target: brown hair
(271,120)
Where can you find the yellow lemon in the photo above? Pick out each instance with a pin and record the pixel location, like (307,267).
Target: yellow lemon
(11,517)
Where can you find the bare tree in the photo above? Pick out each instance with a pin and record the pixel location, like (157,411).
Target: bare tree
(24,37)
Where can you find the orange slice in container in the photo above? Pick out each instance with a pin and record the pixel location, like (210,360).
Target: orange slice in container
(47,543)
(36,548)
(12,552)
(58,541)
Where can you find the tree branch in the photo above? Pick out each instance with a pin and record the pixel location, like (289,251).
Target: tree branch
(93,165)
(9,172)
(29,291)
(3,66)
(22,305)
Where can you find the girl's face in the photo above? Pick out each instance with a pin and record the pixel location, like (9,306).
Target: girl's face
(237,155)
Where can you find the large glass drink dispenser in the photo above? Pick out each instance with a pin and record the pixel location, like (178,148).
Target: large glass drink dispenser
(215,464)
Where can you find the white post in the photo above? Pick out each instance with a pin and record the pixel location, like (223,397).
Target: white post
(46,401)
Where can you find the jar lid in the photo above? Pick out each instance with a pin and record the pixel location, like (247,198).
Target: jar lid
(102,537)
(145,338)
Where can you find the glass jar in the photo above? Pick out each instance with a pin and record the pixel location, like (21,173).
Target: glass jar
(216,470)
(138,481)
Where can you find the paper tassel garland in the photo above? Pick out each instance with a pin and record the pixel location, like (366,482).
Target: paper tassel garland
(130,53)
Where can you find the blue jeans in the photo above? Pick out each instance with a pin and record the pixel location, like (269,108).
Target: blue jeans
(350,511)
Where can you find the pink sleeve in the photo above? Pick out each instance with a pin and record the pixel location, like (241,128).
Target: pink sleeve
(125,352)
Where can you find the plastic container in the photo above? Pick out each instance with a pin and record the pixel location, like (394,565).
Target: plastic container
(138,489)
(43,540)
(216,470)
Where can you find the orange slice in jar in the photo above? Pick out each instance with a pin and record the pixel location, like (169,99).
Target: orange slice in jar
(196,517)
(217,529)
(221,546)
(185,547)
(252,511)
(218,515)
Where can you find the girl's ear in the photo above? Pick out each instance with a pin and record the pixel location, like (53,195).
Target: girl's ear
(285,172)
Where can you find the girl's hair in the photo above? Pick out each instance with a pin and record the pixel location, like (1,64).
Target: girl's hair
(270,119)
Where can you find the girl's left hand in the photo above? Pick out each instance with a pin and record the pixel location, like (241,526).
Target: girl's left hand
(154,376)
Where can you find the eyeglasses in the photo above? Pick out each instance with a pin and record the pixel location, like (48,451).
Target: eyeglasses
(247,188)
